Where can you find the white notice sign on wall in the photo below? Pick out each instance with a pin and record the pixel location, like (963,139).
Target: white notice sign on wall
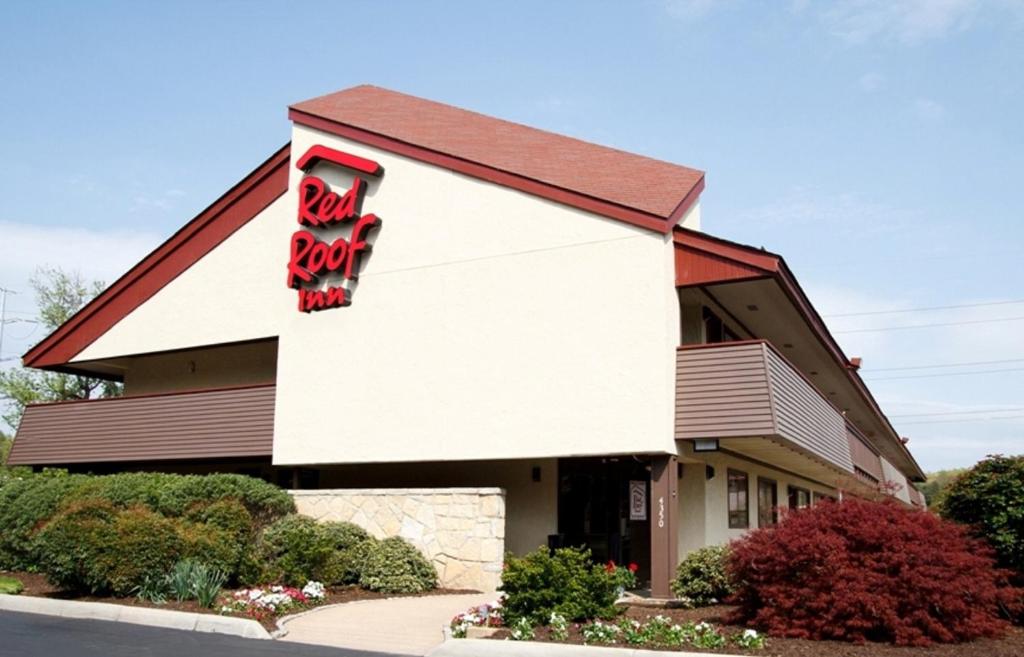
(638,500)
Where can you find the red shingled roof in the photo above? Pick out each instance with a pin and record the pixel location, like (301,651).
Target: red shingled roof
(631,187)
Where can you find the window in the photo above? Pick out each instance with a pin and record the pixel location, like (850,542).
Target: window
(715,329)
(799,498)
(739,515)
(819,497)
(767,502)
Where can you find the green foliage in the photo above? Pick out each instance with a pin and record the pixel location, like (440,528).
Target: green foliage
(11,586)
(235,504)
(566,582)
(145,544)
(92,546)
(935,487)
(344,535)
(701,577)
(990,498)
(191,579)
(59,295)
(395,566)
(298,550)
(179,580)
(25,503)
(154,588)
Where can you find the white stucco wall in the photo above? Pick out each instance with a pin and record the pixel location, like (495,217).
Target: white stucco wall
(235,292)
(704,505)
(487,324)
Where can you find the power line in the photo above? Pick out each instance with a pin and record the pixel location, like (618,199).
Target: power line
(986,410)
(931,367)
(919,326)
(971,419)
(932,376)
(927,308)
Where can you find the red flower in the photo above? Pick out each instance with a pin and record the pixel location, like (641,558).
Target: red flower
(633,567)
(610,567)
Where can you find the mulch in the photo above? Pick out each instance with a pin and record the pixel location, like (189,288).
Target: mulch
(36,585)
(1012,645)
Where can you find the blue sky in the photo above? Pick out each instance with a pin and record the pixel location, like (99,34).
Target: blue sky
(876,145)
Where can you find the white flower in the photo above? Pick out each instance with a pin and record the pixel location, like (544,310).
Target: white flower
(749,634)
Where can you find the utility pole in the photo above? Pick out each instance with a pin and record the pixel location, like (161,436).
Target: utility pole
(3,315)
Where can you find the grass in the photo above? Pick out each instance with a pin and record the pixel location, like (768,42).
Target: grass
(11,586)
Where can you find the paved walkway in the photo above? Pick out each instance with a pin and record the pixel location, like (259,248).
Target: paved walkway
(409,626)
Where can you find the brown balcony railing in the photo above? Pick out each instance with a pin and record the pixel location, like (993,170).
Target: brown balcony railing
(218,423)
(748,390)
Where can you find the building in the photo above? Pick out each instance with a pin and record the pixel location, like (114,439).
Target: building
(410,298)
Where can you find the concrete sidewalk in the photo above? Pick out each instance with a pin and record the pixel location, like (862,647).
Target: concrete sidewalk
(410,626)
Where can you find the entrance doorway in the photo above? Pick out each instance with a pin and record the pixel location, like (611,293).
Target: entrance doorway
(603,504)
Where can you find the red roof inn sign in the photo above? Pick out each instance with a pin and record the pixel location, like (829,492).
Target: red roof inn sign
(320,209)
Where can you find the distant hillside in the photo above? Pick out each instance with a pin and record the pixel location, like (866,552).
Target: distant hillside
(936,484)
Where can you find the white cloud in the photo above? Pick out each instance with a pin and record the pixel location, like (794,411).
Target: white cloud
(844,213)
(905,21)
(96,254)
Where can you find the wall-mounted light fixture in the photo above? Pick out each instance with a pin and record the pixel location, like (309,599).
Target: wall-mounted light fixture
(705,445)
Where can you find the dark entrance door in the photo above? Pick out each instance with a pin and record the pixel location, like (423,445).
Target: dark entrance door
(594,509)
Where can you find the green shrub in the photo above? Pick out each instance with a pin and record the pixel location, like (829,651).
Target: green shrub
(68,546)
(264,502)
(395,566)
(990,499)
(565,582)
(213,546)
(25,503)
(701,577)
(352,545)
(298,550)
(144,544)
(233,504)
(344,535)
(11,586)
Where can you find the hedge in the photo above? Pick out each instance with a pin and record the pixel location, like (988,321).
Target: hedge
(114,533)
(27,503)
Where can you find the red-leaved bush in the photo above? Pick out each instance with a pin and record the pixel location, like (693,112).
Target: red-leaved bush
(869,571)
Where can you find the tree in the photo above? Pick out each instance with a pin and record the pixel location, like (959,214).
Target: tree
(990,498)
(59,295)
(935,486)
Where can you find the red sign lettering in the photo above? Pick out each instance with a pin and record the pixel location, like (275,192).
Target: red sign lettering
(310,257)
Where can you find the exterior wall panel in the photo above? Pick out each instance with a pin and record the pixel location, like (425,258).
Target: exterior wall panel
(722,393)
(231,422)
(864,457)
(745,389)
(804,417)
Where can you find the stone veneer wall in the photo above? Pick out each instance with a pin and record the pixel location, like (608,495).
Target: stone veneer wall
(460,530)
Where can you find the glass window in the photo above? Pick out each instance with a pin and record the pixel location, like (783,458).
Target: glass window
(739,515)
(767,502)
(799,498)
(819,497)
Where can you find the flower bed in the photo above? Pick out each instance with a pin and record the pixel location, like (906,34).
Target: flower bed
(657,632)
(689,622)
(265,602)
